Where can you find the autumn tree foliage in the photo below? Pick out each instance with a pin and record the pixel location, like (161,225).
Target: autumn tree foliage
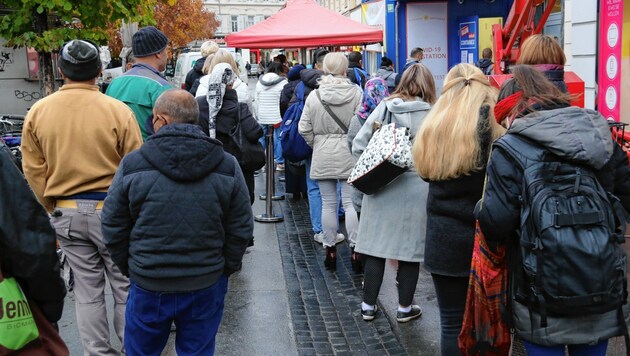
(185,21)
(46,24)
(182,21)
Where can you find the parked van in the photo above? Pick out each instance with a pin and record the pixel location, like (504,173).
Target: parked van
(185,62)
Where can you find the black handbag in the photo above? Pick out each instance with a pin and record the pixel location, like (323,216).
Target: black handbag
(250,155)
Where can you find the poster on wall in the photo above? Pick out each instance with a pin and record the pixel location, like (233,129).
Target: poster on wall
(468,39)
(374,15)
(609,59)
(427,29)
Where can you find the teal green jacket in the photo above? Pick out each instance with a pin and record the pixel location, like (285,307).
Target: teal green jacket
(139,88)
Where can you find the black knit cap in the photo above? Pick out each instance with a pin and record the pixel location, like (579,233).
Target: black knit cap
(79,60)
(147,41)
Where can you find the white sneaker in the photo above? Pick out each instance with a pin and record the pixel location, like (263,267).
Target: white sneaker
(340,238)
(319,237)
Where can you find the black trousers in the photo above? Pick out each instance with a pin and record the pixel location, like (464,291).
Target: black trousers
(451,298)
(407,278)
(249,180)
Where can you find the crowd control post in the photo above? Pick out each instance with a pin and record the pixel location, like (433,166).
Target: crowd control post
(269,216)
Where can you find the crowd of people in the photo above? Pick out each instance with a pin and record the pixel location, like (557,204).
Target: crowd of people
(151,187)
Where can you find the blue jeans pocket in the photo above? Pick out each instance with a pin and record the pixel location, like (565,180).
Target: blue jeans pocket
(145,304)
(207,302)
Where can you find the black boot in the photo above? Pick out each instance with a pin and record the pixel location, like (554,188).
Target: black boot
(356,259)
(331,258)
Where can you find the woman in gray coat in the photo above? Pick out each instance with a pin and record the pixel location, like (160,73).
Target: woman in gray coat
(332,161)
(393,220)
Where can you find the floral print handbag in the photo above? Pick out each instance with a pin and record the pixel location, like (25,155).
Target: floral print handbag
(387,155)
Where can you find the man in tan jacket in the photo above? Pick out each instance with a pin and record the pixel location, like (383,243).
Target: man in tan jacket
(72,144)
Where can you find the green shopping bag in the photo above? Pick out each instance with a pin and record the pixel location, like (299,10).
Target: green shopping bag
(17,325)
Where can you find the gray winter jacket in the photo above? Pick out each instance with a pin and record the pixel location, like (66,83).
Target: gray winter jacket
(578,135)
(331,156)
(393,220)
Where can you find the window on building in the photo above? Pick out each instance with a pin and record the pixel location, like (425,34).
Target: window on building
(250,21)
(234,23)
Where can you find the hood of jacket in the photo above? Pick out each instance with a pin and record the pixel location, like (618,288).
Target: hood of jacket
(270,79)
(485,63)
(338,93)
(407,112)
(310,77)
(182,152)
(199,65)
(575,134)
(384,72)
(398,105)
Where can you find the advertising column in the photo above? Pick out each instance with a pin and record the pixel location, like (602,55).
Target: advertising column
(609,58)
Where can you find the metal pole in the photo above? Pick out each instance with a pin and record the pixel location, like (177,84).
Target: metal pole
(269,216)
(270,174)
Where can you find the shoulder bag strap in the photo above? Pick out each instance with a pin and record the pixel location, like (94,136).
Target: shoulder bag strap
(387,115)
(344,128)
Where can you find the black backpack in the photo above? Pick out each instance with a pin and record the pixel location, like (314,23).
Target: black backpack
(569,261)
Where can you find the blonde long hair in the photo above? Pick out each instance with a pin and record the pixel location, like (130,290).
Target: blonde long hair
(447,144)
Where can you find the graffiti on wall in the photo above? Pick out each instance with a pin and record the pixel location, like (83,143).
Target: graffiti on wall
(5,59)
(27,96)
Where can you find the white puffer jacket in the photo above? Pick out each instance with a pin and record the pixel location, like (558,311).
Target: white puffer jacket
(331,157)
(267,99)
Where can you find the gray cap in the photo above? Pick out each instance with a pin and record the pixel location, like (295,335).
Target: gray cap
(79,60)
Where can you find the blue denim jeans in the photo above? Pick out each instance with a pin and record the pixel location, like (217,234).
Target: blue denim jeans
(277,147)
(197,316)
(263,139)
(574,350)
(314,199)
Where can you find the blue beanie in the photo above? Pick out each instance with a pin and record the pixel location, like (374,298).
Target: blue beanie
(294,73)
(147,41)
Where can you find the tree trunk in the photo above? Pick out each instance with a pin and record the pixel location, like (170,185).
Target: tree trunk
(46,76)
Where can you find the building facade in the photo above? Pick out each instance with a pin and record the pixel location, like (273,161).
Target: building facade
(237,15)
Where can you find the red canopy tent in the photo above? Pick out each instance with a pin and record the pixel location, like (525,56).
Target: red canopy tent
(303,23)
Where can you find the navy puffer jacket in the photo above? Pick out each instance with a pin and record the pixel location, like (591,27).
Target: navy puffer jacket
(178,214)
